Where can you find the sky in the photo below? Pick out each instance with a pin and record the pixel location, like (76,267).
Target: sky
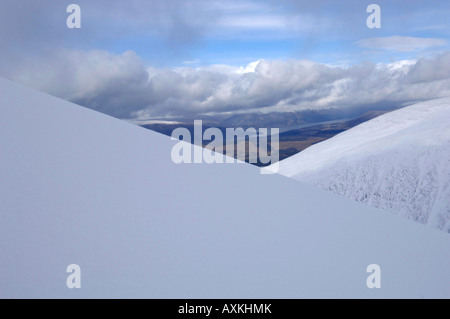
(156,59)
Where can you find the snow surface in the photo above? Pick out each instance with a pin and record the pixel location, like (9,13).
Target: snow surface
(399,161)
(79,187)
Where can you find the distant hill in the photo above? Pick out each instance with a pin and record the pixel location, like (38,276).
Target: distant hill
(292,139)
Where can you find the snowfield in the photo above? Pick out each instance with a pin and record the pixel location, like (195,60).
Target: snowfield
(79,187)
(399,161)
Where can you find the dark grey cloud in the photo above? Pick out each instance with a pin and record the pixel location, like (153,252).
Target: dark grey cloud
(431,70)
(33,28)
(113,84)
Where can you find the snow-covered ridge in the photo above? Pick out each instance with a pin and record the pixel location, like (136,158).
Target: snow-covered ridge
(399,161)
(79,187)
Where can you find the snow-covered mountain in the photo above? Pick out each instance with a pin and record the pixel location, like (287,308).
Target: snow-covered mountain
(79,187)
(399,161)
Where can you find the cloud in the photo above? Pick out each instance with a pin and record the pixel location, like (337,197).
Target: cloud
(430,70)
(172,31)
(254,22)
(401,44)
(192,62)
(113,84)
(123,86)
(85,66)
(30,26)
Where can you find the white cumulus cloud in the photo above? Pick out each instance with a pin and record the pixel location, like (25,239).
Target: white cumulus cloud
(123,86)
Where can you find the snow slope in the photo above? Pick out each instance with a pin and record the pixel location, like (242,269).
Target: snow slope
(399,161)
(79,187)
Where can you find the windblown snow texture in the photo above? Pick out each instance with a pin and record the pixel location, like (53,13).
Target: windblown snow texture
(399,161)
